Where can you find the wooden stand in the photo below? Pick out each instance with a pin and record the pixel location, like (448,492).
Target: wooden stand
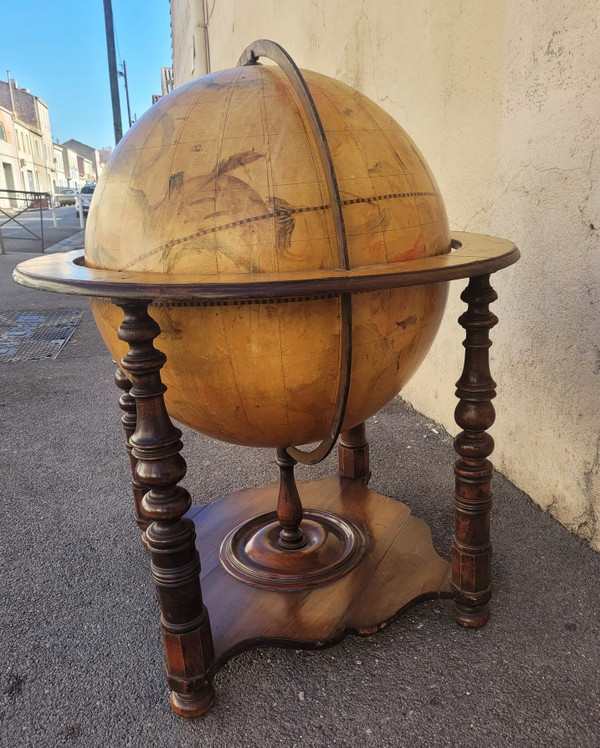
(273,571)
(398,569)
(350,563)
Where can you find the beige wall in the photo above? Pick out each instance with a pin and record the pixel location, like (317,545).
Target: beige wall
(503,98)
(188,34)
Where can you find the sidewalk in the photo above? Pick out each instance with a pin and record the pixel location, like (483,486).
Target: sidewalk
(66,245)
(81,660)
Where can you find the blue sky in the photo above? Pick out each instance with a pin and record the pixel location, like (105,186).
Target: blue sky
(58,51)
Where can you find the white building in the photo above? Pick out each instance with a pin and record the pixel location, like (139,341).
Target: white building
(10,172)
(62,180)
(82,162)
(32,136)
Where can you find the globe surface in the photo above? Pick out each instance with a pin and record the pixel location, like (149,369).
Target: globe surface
(222,177)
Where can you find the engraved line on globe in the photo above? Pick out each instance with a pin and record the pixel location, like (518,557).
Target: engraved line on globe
(283,213)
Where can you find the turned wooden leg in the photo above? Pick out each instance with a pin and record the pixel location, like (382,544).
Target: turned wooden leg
(353,453)
(171,537)
(471,551)
(127,405)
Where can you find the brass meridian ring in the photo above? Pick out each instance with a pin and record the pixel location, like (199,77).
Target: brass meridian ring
(276,53)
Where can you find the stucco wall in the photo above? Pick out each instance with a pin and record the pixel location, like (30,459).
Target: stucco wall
(502,96)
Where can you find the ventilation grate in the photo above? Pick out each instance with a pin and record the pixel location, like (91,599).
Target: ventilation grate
(36,335)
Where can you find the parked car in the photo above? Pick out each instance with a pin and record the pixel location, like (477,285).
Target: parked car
(84,198)
(39,202)
(65,196)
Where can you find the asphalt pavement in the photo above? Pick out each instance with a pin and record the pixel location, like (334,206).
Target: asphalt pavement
(81,659)
(22,232)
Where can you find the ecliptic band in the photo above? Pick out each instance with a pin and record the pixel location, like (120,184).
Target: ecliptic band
(281,213)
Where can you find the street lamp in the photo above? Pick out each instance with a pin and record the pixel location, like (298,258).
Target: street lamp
(123,74)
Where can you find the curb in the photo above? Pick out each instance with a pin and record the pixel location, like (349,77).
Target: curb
(75,241)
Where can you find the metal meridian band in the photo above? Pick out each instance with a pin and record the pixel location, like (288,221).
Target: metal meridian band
(276,53)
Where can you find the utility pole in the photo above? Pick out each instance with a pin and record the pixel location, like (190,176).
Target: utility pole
(112,71)
(124,74)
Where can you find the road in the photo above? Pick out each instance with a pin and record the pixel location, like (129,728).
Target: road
(65,218)
(25,236)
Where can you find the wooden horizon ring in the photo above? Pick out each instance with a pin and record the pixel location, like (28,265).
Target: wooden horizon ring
(66,272)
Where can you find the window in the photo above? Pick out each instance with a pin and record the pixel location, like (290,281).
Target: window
(2,133)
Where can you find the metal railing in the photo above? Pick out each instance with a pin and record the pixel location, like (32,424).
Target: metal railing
(14,203)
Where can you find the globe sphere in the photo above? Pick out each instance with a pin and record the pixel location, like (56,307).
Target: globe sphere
(222,178)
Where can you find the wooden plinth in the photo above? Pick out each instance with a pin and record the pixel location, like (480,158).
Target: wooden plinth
(399,568)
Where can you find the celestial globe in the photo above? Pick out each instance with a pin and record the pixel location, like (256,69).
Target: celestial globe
(223,178)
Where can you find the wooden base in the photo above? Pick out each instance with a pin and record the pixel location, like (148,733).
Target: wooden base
(399,568)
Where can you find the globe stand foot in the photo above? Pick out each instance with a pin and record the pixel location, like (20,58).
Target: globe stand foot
(471,617)
(291,541)
(194,704)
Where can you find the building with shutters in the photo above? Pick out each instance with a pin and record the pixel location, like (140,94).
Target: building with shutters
(10,172)
(33,138)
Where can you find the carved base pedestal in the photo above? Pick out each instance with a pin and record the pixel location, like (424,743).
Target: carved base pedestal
(397,569)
